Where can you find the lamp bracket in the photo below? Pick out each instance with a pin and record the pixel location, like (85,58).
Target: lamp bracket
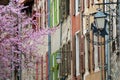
(107,3)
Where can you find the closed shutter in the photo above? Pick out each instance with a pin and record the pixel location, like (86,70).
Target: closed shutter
(69,58)
(63,61)
(67,49)
(65,58)
(63,9)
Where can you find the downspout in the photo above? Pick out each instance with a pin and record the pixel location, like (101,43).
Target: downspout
(106,46)
(60,19)
(109,49)
(49,41)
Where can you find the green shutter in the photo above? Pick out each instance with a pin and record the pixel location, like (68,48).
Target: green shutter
(55,12)
(51,70)
(55,67)
(51,14)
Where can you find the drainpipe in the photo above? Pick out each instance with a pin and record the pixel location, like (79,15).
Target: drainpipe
(107,45)
(109,48)
(49,41)
(60,19)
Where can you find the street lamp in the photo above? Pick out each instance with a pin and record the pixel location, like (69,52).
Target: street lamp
(99,18)
(58,58)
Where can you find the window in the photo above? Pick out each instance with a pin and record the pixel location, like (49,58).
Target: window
(64,9)
(113,46)
(4,2)
(65,67)
(77,55)
(77,6)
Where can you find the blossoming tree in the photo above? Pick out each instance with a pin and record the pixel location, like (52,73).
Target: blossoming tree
(17,38)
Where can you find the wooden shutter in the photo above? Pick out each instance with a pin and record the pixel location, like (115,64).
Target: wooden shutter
(34,18)
(88,3)
(74,56)
(73,7)
(40,20)
(113,46)
(42,68)
(65,58)
(79,5)
(88,45)
(92,2)
(47,66)
(82,55)
(82,5)
(45,13)
(91,52)
(63,9)
(99,49)
(67,7)
(69,58)
(93,60)
(4,2)
(37,72)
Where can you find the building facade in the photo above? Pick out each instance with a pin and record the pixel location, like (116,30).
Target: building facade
(94,50)
(77,49)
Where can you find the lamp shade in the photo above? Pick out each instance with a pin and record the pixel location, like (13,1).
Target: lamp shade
(58,58)
(100,19)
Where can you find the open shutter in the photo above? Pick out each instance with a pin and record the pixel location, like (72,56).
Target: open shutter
(88,3)
(42,68)
(73,7)
(82,5)
(92,2)
(74,56)
(93,59)
(34,18)
(82,55)
(47,66)
(99,49)
(88,46)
